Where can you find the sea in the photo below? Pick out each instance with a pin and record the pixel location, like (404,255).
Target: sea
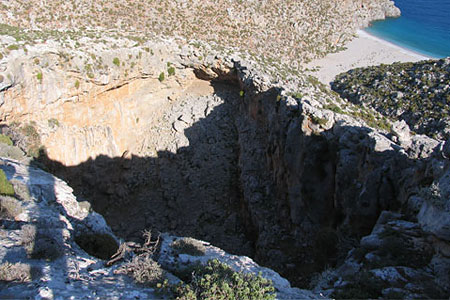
(424,27)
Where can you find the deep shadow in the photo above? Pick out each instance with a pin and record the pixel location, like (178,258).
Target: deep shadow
(193,192)
(253,183)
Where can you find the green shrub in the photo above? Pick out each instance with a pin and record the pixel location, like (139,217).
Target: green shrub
(30,131)
(189,246)
(161,77)
(53,123)
(77,84)
(297,95)
(171,71)
(116,61)
(34,148)
(241,93)
(5,140)
(13,47)
(1,56)
(320,121)
(6,188)
(216,280)
(334,107)
(39,76)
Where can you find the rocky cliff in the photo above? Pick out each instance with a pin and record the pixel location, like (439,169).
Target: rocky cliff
(260,169)
(248,155)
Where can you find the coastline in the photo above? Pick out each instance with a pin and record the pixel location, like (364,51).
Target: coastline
(405,50)
(363,51)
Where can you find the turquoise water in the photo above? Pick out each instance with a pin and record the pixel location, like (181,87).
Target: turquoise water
(424,27)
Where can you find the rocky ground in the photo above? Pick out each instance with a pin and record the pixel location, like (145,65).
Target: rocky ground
(417,93)
(161,135)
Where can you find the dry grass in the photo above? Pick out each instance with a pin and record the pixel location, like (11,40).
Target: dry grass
(142,267)
(9,207)
(17,272)
(189,246)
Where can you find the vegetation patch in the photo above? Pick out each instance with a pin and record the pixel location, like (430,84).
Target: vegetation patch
(53,123)
(6,188)
(10,207)
(318,120)
(171,71)
(161,77)
(414,92)
(17,272)
(216,280)
(13,47)
(189,246)
(116,61)
(142,267)
(5,140)
(34,147)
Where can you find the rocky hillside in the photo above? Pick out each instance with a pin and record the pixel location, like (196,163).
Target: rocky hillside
(261,169)
(287,31)
(222,146)
(417,93)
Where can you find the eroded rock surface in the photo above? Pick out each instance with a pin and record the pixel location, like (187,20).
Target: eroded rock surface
(283,171)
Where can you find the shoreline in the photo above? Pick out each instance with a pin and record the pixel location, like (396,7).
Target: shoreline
(363,51)
(406,50)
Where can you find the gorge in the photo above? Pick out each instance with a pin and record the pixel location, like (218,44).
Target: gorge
(190,141)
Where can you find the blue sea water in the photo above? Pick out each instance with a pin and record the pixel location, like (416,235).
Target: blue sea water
(424,27)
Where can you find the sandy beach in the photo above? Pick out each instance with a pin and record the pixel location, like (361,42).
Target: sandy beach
(365,50)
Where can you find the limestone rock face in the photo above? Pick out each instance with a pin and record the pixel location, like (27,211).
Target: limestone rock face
(65,103)
(43,235)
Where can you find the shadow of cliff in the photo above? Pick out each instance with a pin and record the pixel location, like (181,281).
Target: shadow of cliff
(253,183)
(192,192)
(40,232)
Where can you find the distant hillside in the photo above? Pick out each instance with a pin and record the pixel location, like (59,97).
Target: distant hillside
(418,93)
(293,31)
